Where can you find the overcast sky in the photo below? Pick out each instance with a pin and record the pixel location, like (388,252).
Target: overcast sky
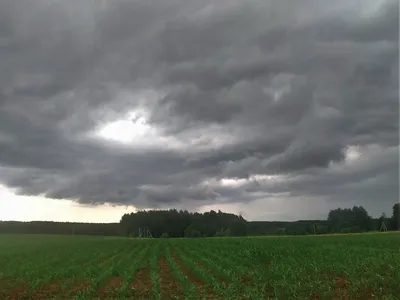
(278,110)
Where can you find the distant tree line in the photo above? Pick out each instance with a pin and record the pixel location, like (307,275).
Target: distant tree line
(181,223)
(174,223)
(48,227)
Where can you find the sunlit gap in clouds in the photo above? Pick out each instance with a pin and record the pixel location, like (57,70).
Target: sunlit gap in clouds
(133,130)
(353,153)
(253,178)
(130,129)
(126,122)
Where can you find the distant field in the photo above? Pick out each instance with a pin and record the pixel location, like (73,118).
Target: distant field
(311,267)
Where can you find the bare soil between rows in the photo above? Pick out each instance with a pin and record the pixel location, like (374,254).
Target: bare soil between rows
(141,287)
(204,289)
(169,286)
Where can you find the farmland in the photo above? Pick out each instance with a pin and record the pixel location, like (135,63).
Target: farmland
(312,267)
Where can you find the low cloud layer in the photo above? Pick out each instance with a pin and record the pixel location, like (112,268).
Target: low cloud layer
(234,102)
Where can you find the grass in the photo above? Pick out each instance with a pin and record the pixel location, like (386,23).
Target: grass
(363,266)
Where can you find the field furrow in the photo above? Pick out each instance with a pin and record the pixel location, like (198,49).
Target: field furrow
(75,288)
(12,289)
(169,286)
(204,291)
(142,286)
(214,284)
(215,269)
(135,261)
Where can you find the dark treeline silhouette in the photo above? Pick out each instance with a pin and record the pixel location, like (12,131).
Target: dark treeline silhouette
(48,227)
(174,223)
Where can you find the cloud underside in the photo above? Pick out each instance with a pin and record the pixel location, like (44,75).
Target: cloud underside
(241,101)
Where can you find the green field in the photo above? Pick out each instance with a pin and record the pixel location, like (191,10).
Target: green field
(311,267)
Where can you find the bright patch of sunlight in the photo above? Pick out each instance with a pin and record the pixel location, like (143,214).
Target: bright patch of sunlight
(127,130)
(353,153)
(232,182)
(255,177)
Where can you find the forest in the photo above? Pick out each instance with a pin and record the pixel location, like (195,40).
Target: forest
(174,223)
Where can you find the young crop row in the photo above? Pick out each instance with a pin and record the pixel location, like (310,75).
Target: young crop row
(337,267)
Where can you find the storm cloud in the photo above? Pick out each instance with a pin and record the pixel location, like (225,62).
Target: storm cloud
(238,102)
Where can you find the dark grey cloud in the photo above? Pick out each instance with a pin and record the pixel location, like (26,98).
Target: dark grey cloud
(272,94)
